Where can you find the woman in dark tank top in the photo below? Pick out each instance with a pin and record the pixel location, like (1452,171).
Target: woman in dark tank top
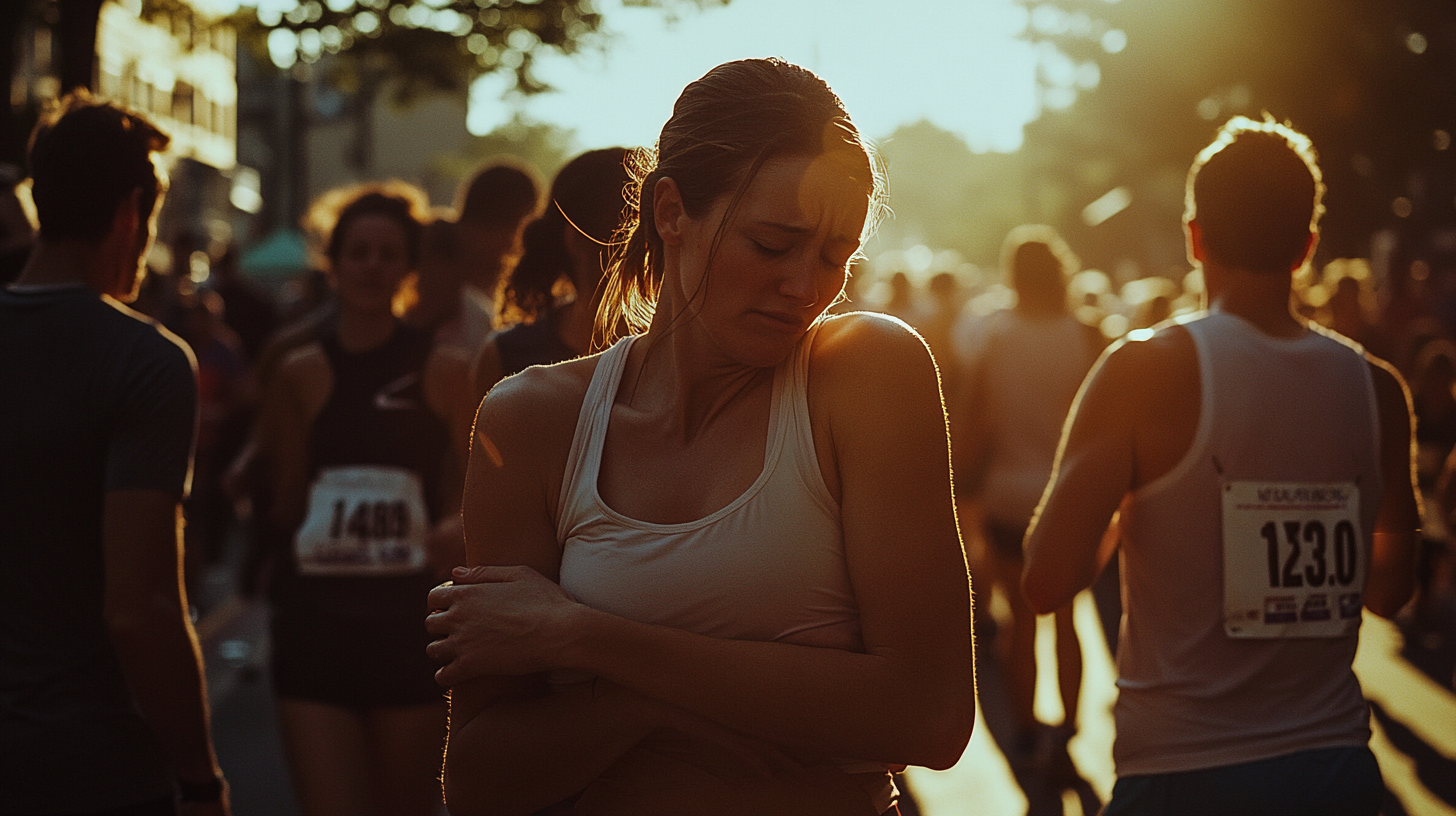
(565,248)
(363,473)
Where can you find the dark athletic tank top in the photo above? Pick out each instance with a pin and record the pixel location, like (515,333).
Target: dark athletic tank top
(531,344)
(376,414)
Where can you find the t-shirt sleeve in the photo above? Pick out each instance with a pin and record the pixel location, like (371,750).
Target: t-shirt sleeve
(155,424)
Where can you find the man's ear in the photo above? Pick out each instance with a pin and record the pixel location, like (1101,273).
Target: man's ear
(126,223)
(120,250)
(668,213)
(1309,244)
(1194,235)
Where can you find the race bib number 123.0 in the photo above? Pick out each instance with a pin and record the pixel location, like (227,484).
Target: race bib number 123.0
(1293,562)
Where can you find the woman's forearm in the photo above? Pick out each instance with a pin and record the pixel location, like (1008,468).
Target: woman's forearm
(519,755)
(831,702)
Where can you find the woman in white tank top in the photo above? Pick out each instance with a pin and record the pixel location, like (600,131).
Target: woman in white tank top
(716,568)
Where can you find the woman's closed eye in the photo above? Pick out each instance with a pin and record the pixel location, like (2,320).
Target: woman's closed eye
(771,249)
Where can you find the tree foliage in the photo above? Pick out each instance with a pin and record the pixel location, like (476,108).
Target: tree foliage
(1373,84)
(428,46)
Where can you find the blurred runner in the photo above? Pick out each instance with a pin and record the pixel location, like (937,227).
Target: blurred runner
(565,249)
(1017,385)
(361,462)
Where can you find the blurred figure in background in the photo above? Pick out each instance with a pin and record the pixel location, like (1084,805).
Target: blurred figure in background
(462,266)
(937,324)
(1433,393)
(248,309)
(225,398)
(17,233)
(901,302)
(494,209)
(354,435)
(1017,385)
(553,292)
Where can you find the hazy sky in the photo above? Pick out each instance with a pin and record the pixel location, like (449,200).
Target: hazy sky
(958,63)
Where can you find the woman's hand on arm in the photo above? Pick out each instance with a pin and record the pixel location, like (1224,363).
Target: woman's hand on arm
(516,743)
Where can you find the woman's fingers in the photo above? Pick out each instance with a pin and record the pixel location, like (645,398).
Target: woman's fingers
(438,623)
(490,620)
(490,575)
(441,651)
(439,597)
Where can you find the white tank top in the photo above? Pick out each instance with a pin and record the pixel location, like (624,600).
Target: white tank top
(769,566)
(1298,410)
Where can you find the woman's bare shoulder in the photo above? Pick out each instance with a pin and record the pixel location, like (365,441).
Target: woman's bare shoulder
(304,374)
(867,344)
(541,403)
(305,360)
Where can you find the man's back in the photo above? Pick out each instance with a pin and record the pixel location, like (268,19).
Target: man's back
(93,398)
(1273,410)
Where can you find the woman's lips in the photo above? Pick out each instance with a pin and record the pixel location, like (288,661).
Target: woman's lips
(786,322)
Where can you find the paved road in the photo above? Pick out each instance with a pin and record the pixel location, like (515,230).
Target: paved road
(1414,718)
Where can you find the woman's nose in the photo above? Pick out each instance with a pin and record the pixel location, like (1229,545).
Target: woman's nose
(800,283)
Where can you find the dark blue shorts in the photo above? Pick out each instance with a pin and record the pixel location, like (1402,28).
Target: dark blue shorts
(1342,781)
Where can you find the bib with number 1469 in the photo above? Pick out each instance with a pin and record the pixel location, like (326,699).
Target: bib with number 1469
(1293,561)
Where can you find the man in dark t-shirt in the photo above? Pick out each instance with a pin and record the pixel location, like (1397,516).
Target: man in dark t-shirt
(102,706)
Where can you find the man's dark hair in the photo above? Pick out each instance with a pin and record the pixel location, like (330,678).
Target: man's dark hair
(86,157)
(1256,193)
(501,193)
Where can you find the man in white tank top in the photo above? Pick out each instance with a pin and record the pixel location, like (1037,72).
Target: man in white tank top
(1264,476)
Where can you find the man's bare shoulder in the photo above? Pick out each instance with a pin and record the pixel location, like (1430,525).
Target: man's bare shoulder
(1144,354)
(1146,382)
(1392,394)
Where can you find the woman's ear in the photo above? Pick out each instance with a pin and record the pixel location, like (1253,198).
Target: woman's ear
(668,213)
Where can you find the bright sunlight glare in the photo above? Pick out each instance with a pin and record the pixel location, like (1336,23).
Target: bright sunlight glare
(958,63)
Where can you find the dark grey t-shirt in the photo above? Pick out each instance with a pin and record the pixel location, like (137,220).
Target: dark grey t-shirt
(93,398)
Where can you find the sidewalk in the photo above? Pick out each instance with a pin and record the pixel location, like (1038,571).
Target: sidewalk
(234,636)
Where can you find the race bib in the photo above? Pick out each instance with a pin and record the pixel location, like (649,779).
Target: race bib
(363,520)
(1293,563)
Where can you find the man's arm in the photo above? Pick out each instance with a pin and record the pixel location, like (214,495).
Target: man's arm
(1393,559)
(1094,469)
(147,618)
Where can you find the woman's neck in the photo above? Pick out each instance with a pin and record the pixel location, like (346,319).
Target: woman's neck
(678,376)
(363,331)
